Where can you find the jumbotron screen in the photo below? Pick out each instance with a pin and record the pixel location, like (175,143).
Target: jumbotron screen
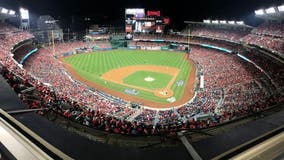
(131,22)
(136,21)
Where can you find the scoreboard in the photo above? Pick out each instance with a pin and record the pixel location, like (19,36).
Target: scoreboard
(136,21)
(131,22)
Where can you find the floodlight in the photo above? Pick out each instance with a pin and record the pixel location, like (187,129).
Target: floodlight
(215,21)
(270,10)
(240,22)
(259,12)
(223,22)
(11,12)
(24,13)
(231,22)
(281,8)
(206,21)
(4,10)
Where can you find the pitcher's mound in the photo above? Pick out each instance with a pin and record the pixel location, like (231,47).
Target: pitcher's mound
(149,79)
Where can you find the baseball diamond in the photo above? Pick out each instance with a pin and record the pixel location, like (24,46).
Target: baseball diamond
(117,70)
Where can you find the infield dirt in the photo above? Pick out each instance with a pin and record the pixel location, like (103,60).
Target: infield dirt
(117,76)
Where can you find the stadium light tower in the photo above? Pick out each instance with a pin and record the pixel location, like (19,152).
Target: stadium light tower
(206,21)
(12,12)
(259,12)
(25,22)
(281,8)
(240,22)
(231,22)
(215,22)
(4,10)
(223,22)
(24,13)
(270,10)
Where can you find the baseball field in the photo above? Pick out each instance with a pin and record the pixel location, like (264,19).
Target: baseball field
(154,78)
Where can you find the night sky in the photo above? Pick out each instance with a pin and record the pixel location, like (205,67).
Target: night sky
(109,11)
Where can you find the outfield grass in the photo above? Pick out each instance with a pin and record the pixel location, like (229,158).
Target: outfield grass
(137,79)
(92,66)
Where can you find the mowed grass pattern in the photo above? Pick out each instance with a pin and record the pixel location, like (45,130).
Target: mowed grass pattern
(92,66)
(161,80)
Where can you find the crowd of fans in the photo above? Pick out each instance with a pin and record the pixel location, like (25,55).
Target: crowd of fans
(272,43)
(215,33)
(160,37)
(274,68)
(219,43)
(233,88)
(242,84)
(269,35)
(5,28)
(147,44)
(49,70)
(142,40)
(271,29)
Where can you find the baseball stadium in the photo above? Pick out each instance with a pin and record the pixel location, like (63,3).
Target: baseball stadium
(142,86)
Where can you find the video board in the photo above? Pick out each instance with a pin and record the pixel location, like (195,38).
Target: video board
(136,21)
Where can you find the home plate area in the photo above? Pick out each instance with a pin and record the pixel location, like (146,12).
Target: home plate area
(164,93)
